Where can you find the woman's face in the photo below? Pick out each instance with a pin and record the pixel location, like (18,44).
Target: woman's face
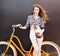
(36,10)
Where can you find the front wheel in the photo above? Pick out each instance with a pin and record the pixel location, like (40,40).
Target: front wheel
(11,51)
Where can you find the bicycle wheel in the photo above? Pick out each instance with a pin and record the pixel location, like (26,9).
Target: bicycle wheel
(11,51)
(50,48)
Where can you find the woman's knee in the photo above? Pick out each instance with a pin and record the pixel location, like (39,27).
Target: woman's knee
(36,49)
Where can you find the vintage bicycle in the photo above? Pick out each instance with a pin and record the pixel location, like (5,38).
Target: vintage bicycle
(8,48)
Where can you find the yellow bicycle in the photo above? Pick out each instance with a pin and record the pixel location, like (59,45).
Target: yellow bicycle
(9,48)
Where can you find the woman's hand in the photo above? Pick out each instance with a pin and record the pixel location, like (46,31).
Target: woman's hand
(20,26)
(39,31)
(38,34)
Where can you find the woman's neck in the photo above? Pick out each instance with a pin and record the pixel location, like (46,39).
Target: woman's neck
(35,14)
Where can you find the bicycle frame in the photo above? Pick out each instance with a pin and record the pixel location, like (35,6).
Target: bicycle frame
(22,50)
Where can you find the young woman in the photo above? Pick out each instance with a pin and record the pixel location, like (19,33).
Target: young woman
(36,21)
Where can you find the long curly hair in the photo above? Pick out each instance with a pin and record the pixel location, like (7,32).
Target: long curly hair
(42,12)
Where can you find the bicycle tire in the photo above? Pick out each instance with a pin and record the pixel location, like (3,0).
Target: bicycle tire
(52,44)
(11,46)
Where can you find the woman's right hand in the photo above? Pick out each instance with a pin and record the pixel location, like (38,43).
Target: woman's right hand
(19,25)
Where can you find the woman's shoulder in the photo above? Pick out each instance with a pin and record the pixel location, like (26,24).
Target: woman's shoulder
(30,15)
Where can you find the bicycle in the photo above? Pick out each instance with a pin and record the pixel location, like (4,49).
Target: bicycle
(10,47)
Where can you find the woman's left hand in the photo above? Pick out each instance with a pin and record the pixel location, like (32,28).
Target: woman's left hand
(38,34)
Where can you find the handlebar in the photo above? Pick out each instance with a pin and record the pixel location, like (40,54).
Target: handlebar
(14,26)
(18,25)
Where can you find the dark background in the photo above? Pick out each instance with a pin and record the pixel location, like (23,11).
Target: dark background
(16,11)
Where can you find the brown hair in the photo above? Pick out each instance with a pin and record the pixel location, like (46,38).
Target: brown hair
(42,12)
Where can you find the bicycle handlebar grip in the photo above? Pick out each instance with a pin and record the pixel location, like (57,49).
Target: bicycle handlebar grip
(14,26)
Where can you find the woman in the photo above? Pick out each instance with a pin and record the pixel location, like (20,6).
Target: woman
(36,21)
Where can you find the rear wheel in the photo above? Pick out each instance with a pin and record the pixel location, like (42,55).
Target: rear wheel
(11,51)
(50,49)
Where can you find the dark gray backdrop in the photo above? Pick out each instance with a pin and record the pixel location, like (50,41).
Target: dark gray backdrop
(16,11)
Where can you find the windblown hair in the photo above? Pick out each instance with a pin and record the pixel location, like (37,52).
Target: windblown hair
(42,12)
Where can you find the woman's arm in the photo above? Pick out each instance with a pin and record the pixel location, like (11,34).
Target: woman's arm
(42,31)
(21,27)
(42,26)
(26,25)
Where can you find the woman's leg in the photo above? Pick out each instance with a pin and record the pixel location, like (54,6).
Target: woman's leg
(40,40)
(34,42)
